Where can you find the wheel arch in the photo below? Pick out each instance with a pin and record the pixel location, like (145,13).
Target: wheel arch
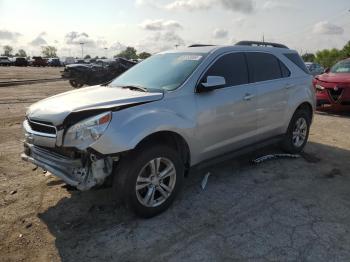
(172,139)
(305,106)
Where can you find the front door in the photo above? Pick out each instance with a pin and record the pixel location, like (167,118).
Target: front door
(227,118)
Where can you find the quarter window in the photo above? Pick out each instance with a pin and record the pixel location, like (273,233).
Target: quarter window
(263,67)
(232,67)
(285,71)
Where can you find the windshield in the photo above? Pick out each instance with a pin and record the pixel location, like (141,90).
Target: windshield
(341,67)
(162,71)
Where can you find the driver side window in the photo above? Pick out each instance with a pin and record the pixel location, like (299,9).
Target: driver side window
(232,67)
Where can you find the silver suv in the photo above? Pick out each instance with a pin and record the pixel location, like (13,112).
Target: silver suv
(144,131)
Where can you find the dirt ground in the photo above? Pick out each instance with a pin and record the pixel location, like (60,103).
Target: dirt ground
(280,210)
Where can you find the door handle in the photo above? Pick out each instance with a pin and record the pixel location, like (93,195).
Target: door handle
(287,86)
(248,97)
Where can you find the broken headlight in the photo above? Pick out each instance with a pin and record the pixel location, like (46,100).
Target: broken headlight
(88,130)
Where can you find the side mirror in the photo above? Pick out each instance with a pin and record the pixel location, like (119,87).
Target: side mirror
(211,83)
(327,70)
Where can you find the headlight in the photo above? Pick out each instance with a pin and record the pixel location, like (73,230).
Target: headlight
(88,130)
(320,88)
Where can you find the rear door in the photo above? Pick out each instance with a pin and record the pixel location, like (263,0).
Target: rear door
(226,118)
(270,78)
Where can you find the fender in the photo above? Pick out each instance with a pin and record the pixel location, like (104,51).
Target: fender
(130,126)
(299,96)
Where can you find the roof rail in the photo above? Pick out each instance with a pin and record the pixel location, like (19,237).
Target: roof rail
(257,43)
(199,45)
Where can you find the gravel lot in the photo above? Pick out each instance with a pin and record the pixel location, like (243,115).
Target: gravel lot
(280,210)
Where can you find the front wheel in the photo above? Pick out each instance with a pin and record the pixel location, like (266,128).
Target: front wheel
(298,132)
(149,179)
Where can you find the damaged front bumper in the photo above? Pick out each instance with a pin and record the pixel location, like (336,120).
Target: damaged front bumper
(83,173)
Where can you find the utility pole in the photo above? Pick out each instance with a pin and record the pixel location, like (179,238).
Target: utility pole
(106,52)
(82,49)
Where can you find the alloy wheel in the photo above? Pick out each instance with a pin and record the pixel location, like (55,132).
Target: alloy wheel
(299,132)
(155,182)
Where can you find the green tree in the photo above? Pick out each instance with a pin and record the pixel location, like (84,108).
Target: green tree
(328,57)
(346,50)
(128,53)
(49,51)
(87,57)
(308,57)
(21,53)
(8,50)
(144,55)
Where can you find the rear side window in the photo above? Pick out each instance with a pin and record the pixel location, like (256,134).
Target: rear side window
(263,67)
(285,71)
(296,59)
(231,66)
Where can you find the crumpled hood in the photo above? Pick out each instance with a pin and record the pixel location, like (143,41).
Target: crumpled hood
(335,78)
(56,108)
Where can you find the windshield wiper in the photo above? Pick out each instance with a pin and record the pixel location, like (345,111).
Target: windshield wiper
(134,87)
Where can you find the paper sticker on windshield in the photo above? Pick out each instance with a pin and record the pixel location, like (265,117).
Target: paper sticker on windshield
(189,57)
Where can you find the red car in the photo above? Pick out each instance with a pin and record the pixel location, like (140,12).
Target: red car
(333,87)
(39,61)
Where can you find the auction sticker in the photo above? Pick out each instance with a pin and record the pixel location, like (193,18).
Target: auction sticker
(189,58)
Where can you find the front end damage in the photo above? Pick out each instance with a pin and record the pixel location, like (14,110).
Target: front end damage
(82,169)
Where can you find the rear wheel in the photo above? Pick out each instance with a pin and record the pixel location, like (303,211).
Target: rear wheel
(75,84)
(148,180)
(298,132)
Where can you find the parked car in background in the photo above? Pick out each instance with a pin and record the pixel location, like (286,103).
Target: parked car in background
(81,61)
(5,61)
(20,61)
(54,62)
(102,71)
(68,61)
(39,61)
(333,87)
(173,111)
(314,68)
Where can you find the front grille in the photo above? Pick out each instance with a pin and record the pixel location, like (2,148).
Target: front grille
(42,127)
(335,94)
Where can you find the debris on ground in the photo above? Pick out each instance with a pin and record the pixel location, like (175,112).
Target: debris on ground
(205,180)
(13,192)
(273,156)
(28,225)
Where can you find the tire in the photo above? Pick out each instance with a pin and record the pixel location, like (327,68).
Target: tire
(75,84)
(135,170)
(297,134)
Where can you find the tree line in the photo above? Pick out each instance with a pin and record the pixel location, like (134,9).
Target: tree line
(328,57)
(51,51)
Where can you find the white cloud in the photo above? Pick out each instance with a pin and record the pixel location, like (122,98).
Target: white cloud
(9,35)
(244,6)
(39,40)
(220,33)
(75,38)
(273,4)
(160,41)
(326,28)
(117,47)
(160,24)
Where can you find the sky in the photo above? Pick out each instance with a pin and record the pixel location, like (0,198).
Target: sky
(106,27)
